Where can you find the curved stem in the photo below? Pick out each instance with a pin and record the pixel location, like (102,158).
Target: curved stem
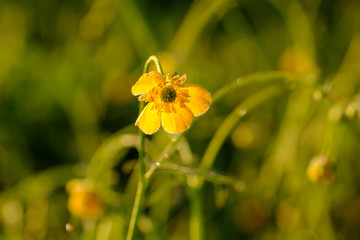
(261,77)
(143,182)
(154,59)
(230,122)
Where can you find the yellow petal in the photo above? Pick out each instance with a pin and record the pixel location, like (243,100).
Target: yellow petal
(149,119)
(176,121)
(199,100)
(147,82)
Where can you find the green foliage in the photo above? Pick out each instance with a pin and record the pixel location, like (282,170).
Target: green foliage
(284,77)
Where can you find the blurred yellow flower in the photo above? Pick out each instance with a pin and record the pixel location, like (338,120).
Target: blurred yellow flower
(320,168)
(287,216)
(83,201)
(169,102)
(298,61)
(250,216)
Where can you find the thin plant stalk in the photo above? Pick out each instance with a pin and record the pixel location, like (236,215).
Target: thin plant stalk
(140,192)
(143,182)
(196,226)
(196,213)
(154,59)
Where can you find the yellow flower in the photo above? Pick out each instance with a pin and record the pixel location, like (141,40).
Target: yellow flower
(298,61)
(83,201)
(320,169)
(169,102)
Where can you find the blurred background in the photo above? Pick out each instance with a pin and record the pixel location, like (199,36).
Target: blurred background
(66,112)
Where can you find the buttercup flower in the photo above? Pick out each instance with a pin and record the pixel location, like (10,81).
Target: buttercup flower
(320,169)
(170,104)
(83,201)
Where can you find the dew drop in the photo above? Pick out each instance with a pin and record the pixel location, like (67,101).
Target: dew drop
(241,112)
(69,227)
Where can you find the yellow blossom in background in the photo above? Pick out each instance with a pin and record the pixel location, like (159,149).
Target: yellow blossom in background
(83,201)
(287,216)
(298,61)
(170,104)
(320,168)
(249,216)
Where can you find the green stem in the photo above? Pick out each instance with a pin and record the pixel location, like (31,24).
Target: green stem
(209,176)
(166,153)
(143,182)
(196,226)
(140,192)
(154,59)
(196,221)
(261,77)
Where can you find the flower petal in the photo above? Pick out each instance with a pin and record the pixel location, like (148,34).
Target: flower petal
(199,100)
(176,121)
(147,82)
(149,119)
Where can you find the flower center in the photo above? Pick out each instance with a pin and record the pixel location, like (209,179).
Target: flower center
(168,94)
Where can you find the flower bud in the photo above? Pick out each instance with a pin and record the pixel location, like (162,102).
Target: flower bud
(83,201)
(320,169)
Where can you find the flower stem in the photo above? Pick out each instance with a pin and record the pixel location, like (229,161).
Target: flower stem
(256,78)
(154,59)
(196,215)
(196,227)
(143,182)
(140,192)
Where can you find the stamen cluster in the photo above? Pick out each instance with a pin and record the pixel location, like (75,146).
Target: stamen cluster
(169,102)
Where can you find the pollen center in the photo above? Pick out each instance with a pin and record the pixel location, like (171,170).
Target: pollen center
(168,94)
